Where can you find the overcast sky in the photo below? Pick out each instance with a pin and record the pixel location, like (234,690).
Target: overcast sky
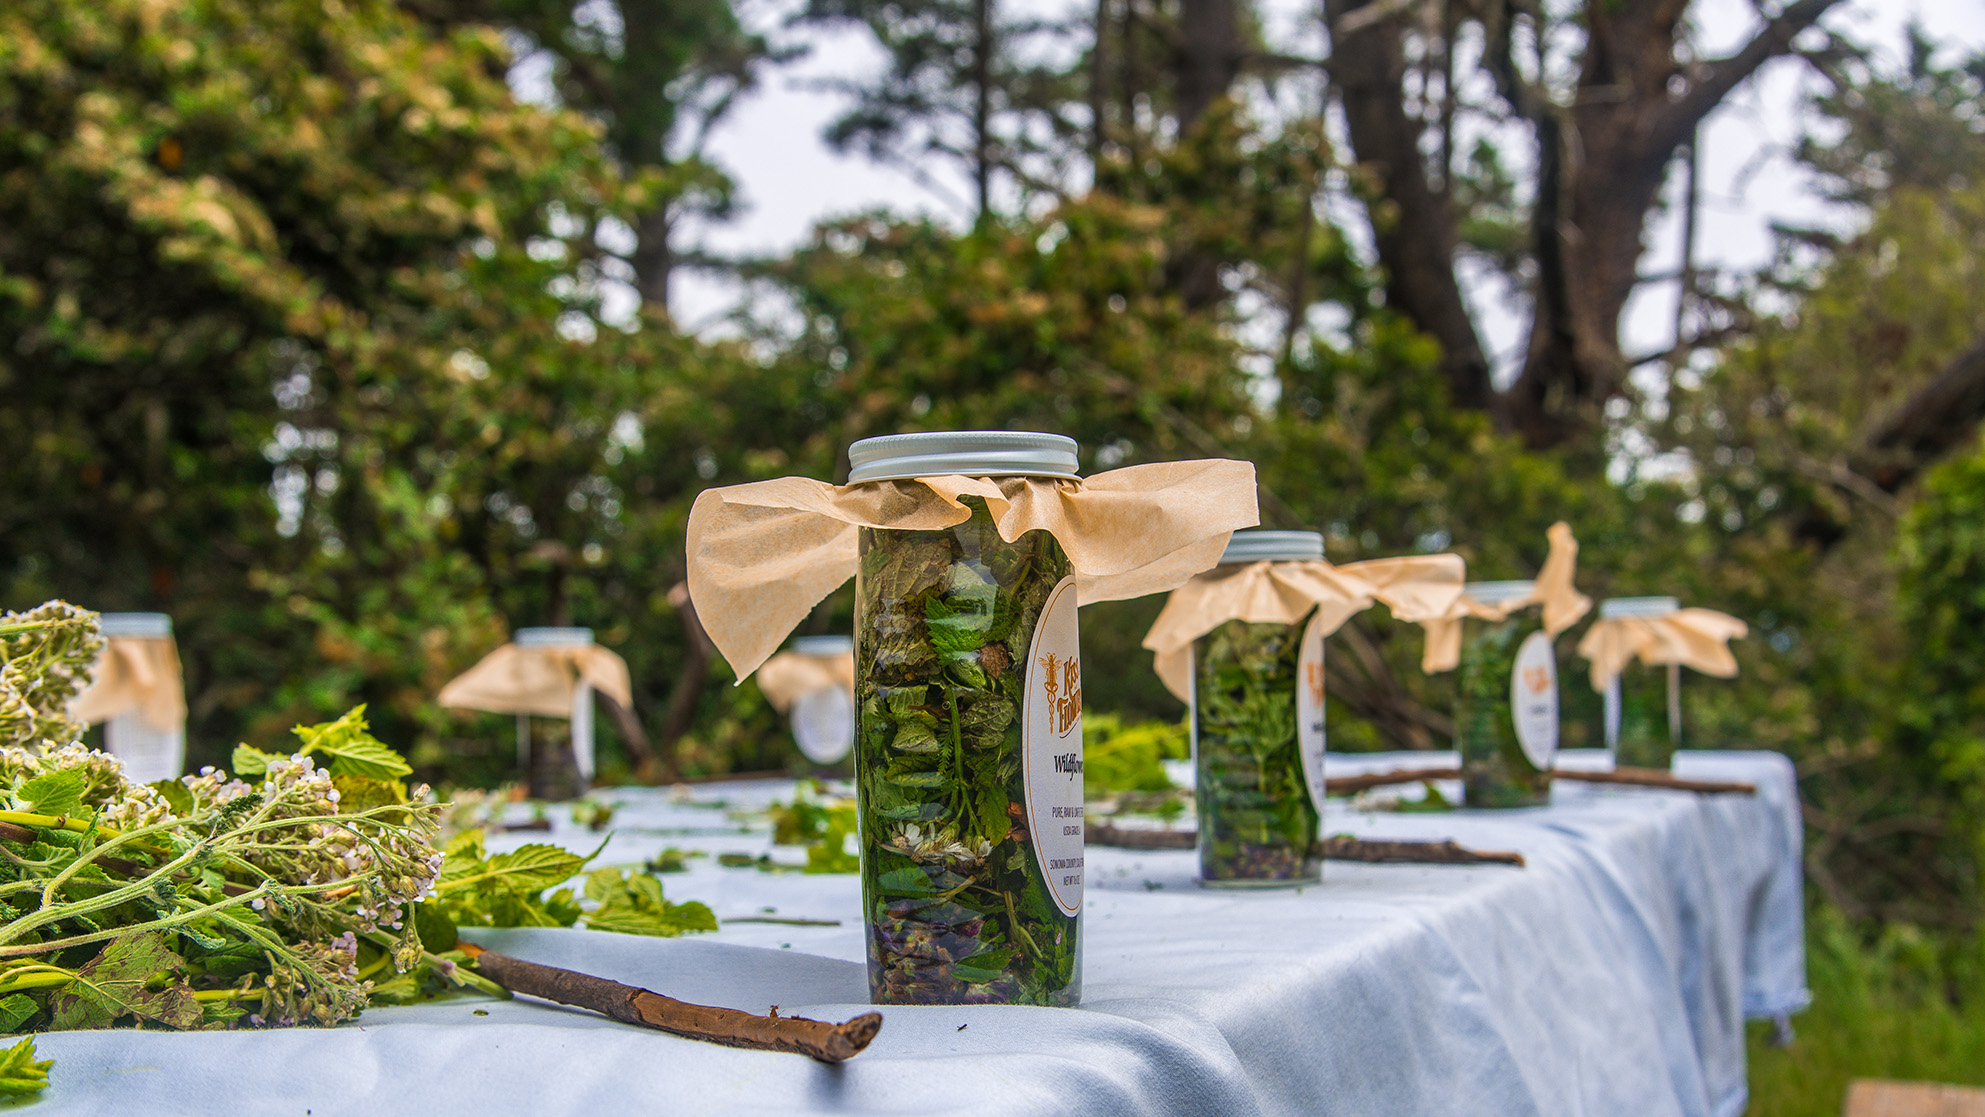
(789,180)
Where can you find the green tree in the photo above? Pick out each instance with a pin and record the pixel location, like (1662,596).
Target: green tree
(275,277)
(658,75)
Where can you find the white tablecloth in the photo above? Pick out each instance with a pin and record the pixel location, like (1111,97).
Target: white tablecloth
(1610,976)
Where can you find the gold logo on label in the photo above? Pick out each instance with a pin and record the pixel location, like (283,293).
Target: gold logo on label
(1061,679)
(1313,677)
(1537,679)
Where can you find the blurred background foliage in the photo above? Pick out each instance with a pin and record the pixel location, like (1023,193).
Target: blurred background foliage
(306,339)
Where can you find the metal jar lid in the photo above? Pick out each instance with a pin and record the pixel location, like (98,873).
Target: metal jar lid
(152,625)
(1495,593)
(1614,608)
(824,645)
(1273,546)
(551,637)
(900,457)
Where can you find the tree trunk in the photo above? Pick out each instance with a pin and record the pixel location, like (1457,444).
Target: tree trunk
(1209,56)
(1417,243)
(653,258)
(982,51)
(1602,163)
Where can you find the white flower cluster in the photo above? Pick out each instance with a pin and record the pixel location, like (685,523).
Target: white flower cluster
(926,844)
(212,787)
(117,801)
(391,864)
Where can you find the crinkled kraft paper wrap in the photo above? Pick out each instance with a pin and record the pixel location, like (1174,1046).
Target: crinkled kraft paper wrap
(1415,588)
(138,673)
(538,680)
(762,555)
(1563,604)
(788,675)
(1695,638)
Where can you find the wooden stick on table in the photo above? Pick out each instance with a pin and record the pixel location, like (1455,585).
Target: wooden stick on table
(829,1043)
(1654,777)
(1432,853)
(1636,777)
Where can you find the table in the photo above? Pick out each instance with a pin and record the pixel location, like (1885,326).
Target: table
(1612,975)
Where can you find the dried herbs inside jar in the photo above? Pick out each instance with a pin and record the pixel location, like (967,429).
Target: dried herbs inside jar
(959,910)
(1258,825)
(1499,668)
(1646,738)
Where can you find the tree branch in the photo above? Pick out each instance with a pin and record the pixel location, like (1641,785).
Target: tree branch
(1940,416)
(1721,76)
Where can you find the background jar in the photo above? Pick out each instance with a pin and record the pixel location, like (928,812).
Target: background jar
(1258,736)
(1643,702)
(824,718)
(968,739)
(1506,717)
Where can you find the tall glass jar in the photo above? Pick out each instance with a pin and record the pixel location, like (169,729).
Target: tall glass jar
(968,752)
(1506,721)
(1643,714)
(1257,732)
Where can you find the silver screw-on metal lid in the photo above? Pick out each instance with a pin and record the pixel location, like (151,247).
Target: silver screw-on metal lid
(551,637)
(900,457)
(1495,593)
(135,624)
(1273,546)
(1614,608)
(824,645)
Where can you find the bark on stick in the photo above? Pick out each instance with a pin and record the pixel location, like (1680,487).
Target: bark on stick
(829,1043)
(1430,853)
(1346,785)
(1637,777)
(1655,777)
(1106,834)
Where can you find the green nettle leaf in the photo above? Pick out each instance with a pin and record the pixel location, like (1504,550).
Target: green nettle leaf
(55,793)
(984,722)
(360,793)
(954,631)
(602,883)
(21,1074)
(250,761)
(352,750)
(665,922)
(367,759)
(15,1010)
(115,984)
(632,903)
(907,881)
(920,779)
(912,812)
(175,795)
(437,931)
(916,737)
(532,868)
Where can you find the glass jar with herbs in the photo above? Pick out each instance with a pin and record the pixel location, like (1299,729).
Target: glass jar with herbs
(968,749)
(1257,733)
(1506,718)
(1643,701)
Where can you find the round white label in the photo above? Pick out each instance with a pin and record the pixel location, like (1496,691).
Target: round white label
(1533,700)
(1051,747)
(1309,708)
(824,724)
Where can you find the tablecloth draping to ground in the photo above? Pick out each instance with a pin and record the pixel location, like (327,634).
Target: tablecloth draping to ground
(1610,976)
